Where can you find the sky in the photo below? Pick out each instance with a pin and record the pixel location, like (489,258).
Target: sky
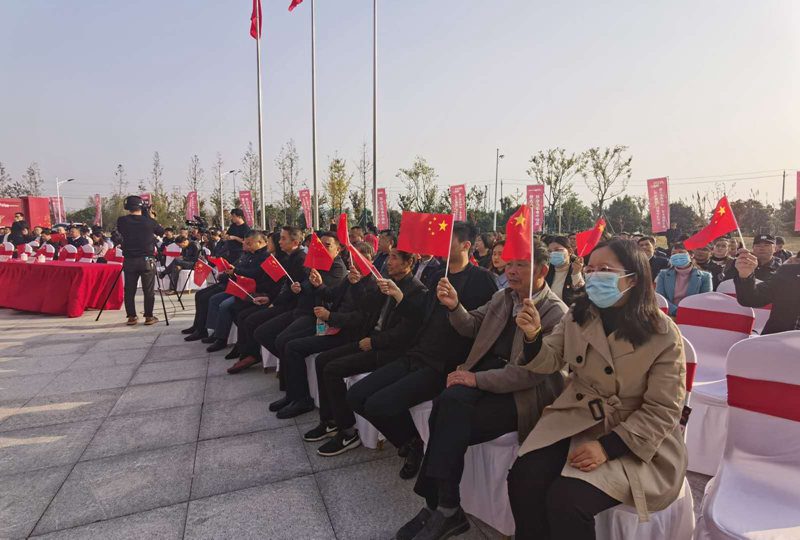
(701,92)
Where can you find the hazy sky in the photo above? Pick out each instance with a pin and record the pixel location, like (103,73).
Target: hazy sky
(696,89)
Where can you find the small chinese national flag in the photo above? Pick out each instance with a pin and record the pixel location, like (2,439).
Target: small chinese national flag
(201,273)
(58,239)
(242,287)
(361,262)
(274,269)
(294,4)
(342,232)
(255,20)
(519,230)
(318,257)
(220,263)
(722,222)
(587,240)
(426,234)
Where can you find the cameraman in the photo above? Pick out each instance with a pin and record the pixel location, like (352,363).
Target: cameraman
(235,235)
(138,245)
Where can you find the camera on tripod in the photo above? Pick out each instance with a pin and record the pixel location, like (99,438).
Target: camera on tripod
(199,223)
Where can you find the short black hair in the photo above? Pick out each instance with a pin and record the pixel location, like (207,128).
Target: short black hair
(169,229)
(257,235)
(365,249)
(295,234)
(648,239)
(464,232)
(487,238)
(357,228)
(780,240)
(237,212)
(181,239)
(330,234)
(541,256)
(389,233)
(19,214)
(46,230)
(561,241)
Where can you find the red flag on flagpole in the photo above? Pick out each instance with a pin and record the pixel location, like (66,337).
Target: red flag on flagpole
(426,234)
(363,265)
(220,263)
(242,287)
(201,273)
(342,232)
(518,235)
(318,257)
(274,269)
(722,222)
(255,20)
(294,4)
(587,240)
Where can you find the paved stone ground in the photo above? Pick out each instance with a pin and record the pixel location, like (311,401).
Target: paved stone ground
(108,431)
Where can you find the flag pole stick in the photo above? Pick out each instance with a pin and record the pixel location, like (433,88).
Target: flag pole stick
(363,259)
(530,293)
(282,268)
(450,248)
(374,115)
(316,224)
(260,126)
(242,289)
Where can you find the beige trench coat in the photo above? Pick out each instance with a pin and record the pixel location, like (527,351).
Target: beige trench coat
(636,392)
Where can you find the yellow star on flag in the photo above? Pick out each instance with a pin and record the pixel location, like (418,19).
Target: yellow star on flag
(721,210)
(519,220)
(443,226)
(601,228)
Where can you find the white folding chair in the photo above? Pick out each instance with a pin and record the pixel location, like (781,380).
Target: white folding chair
(6,251)
(369,434)
(45,253)
(663,305)
(25,252)
(756,491)
(762,314)
(86,254)
(68,253)
(674,522)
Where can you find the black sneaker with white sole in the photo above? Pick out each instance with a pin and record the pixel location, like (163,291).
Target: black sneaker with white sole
(439,527)
(325,430)
(339,445)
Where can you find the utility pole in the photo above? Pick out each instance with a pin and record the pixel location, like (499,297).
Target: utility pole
(783,190)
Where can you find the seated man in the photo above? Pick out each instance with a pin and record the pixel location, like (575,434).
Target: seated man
(764,251)
(384,338)
(76,237)
(385,396)
(342,317)
(782,291)
(186,261)
(491,394)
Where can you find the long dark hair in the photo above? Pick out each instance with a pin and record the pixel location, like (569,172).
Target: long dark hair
(639,318)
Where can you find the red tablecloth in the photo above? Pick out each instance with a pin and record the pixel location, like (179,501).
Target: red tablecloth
(60,288)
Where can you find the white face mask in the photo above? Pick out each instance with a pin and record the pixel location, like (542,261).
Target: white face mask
(603,288)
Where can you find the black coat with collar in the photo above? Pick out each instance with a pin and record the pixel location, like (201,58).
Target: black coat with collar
(307,298)
(569,292)
(782,291)
(343,302)
(293,264)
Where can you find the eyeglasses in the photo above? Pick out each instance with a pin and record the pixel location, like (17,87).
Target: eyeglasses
(604,268)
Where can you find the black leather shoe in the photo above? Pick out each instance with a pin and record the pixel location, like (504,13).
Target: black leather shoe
(234,354)
(412,528)
(218,345)
(405,448)
(208,340)
(196,336)
(275,406)
(296,408)
(413,461)
(189,330)
(439,527)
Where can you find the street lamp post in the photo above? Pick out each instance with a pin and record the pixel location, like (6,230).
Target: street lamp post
(58,197)
(496,178)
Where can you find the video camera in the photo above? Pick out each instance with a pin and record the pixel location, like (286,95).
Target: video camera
(199,223)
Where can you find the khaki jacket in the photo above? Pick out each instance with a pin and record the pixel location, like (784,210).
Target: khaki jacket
(636,392)
(532,392)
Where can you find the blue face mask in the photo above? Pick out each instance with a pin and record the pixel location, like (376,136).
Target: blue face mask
(603,288)
(557,258)
(679,260)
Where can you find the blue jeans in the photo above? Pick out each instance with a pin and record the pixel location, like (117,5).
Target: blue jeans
(220,315)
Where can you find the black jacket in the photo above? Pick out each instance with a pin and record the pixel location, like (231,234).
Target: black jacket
(764,272)
(782,291)
(380,263)
(15,234)
(343,302)
(657,264)
(307,298)
(569,291)
(427,275)
(293,264)
(673,235)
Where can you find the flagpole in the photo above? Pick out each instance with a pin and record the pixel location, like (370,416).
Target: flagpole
(375,112)
(450,248)
(315,224)
(533,261)
(260,126)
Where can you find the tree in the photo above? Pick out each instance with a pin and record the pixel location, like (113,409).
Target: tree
(421,190)
(288,165)
(555,170)
(114,204)
(218,195)
(156,182)
(624,214)
(607,173)
(251,178)
(575,216)
(337,184)
(784,218)
(196,177)
(31,184)
(121,183)
(85,214)
(359,197)
(753,216)
(6,183)
(686,218)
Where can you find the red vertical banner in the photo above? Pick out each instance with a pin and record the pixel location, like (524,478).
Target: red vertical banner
(536,202)
(458,202)
(658,193)
(147,199)
(305,201)
(192,207)
(797,205)
(54,209)
(98,211)
(382,220)
(246,202)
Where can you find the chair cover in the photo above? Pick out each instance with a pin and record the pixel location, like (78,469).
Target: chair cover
(269,360)
(68,253)
(755,494)
(24,252)
(233,335)
(114,256)
(185,277)
(45,253)
(663,305)
(762,314)
(368,433)
(713,322)
(674,522)
(86,254)
(311,370)
(6,251)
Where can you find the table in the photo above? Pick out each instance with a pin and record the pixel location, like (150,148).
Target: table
(59,288)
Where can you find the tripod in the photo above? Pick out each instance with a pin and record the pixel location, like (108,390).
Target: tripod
(160,293)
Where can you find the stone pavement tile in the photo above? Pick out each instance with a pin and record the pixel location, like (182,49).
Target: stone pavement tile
(241,385)
(140,341)
(177,352)
(218,366)
(120,485)
(159,524)
(385,502)
(171,339)
(144,431)
(697,482)
(170,371)
(166,395)
(351,457)
(24,387)
(33,366)
(238,416)
(83,334)
(288,510)
(109,358)
(244,461)
(62,408)
(24,498)
(53,349)
(86,380)
(488,531)
(48,446)
(9,408)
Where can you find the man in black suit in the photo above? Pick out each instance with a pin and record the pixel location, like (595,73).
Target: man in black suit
(782,291)
(425,269)
(673,234)
(386,242)
(657,263)
(186,261)
(16,234)
(76,236)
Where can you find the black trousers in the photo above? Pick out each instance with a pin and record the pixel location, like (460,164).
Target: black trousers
(275,333)
(252,319)
(461,417)
(201,305)
(133,270)
(174,273)
(386,395)
(547,505)
(332,367)
(293,361)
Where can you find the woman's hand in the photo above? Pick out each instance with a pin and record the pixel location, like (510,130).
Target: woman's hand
(588,456)
(577,266)
(446,294)
(315,278)
(296,287)
(354,276)
(322,313)
(528,319)
(462,377)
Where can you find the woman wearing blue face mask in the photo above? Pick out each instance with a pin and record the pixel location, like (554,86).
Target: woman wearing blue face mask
(565,277)
(613,435)
(682,279)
